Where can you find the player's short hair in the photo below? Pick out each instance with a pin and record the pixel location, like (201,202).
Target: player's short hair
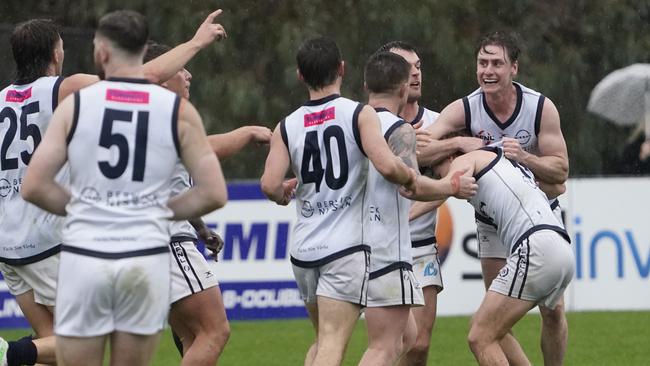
(508,40)
(318,61)
(127,30)
(397,45)
(155,49)
(32,44)
(385,72)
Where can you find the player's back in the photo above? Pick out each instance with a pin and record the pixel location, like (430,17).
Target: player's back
(122,151)
(26,107)
(327,157)
(387,213)
(508,195)
(523,124)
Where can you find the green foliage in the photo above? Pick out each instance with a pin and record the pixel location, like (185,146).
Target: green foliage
(250,78)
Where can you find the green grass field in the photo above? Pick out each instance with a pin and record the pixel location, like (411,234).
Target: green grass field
(595,338)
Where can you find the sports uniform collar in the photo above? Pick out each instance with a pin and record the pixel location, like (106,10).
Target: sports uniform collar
(129,80)
(320,101)
(515,113)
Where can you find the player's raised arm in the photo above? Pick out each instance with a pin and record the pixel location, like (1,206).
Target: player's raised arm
(387,164)
(209,190)
(230,143)
(432,150)
(39,186)
(277,164)
(552,164)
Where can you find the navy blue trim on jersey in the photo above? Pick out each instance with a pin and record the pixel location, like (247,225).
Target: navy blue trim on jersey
(177,145)
(75,117)
(390,268)
(468,116)
(26,81)
(418,117)
(355,127)
(536,228)
(55,92)
(182,239)
(331,257)
(320,101)
(538,113)
(555,204)
(495,150)
(32,259)
(129,80)
(484,219)
(118,255)
(515,113)
(283,133)
(392,128)
(423,242)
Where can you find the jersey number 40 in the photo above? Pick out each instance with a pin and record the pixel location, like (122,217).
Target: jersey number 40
(311,170)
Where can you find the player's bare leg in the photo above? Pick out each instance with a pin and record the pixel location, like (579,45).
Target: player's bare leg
(200,322)
(312,310)
(41,318)
(425,317)
(386,328)
(555,334)
(490,268)
(336,320)
(133,349)
(75,351)
(496,315)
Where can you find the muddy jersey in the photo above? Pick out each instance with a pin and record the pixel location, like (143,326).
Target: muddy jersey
(508,196)
(122,151)
(387,214)
(324,144)
(27,233)
(423,229)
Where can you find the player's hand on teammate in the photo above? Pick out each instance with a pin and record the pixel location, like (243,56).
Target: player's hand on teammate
(212,241)
(260,135)
(289,187)
(422,136)
(468,144)
(512,149)
(411,189)
(209,31)
(463,185)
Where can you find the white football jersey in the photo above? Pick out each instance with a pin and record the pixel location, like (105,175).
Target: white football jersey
(387,214)
(523,124)
(508,196)
(27,233)
(181,182)
(122,151)
(327,157)
(423,229)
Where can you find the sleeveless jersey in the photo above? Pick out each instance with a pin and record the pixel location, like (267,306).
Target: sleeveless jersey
(523,124)
(509,197)
(27,233)
(181,182)
(324,144)
(387,214)
(423,229)
(122,151)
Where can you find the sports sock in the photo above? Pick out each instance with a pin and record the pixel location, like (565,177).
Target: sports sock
(22,352)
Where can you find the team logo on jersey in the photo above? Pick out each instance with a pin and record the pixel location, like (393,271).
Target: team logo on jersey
(430,270)
(5,187)
(523,136)
(18,96)
(503,272)
(318,118)
(90,194)
(307,210)
(127,96)
(485,136)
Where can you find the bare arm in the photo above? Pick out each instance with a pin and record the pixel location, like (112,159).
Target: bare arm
(402,144)
(163,67)
(209,190)
(552,190)
(459,182)
(432,150)
(420,208)
(39,184)
(277,164)
(377,150)
(230,143)
(552,164)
